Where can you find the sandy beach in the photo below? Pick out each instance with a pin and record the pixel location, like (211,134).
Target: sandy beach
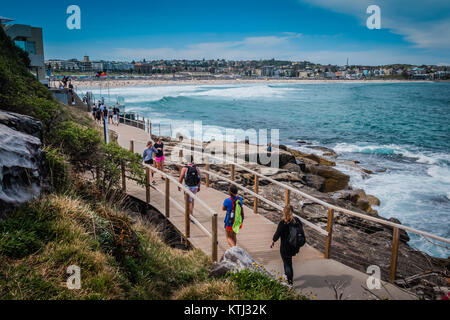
(115,83)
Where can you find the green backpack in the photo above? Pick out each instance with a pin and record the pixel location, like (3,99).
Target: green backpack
(238,216)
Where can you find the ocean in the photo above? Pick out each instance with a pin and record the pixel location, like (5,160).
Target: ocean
(400,131)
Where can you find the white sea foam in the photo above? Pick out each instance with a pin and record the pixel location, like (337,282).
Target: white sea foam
(440,173)
(156,93)
(392,149)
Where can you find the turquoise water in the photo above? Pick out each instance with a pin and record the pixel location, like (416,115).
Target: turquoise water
(401,131)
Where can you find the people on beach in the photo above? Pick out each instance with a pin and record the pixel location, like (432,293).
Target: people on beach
(234,217)
(110,115)
(269,147)
(94,111)
(148,157)
(192,180)
(98,115)
(290,230)
(159,146)
(116,113)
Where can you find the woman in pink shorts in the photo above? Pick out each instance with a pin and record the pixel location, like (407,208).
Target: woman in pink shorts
(159,146)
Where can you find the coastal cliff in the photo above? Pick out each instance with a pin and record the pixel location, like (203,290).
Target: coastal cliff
(23,174)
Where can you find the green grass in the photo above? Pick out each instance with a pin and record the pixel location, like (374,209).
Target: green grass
(118,259)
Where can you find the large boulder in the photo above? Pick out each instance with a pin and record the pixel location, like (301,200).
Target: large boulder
(22,162)
(235,259)
(334,179)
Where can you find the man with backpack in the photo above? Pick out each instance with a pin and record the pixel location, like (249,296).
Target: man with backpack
(192,179)
(290,229)
(234,217)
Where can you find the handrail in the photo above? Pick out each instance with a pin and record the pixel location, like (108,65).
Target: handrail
(276,206)
(180,207)
(186,189)
(330,206)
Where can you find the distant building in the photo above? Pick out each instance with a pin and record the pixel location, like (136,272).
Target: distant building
(143,68)
(29,39)
(267,71)
(86,65)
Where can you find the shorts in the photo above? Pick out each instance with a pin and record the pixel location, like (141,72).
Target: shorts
(159,159)
(149,161)
(194,190)
(116,119)
(228,228)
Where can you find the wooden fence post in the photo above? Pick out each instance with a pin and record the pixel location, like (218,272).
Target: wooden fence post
(167,194)
(124,179)
(255,200)
(207,169)
(394,257)
(147,184)
(187,219)
(287,197)
(150,128)
(180,155)
(132,146)
(330,233)
(232,172)
(214,237)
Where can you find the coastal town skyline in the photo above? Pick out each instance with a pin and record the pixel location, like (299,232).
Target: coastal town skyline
(247,68)
(320,31)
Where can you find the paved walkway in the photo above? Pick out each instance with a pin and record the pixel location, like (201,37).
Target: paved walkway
(311,270)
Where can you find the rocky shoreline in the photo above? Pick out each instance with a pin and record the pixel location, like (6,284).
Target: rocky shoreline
(357,242)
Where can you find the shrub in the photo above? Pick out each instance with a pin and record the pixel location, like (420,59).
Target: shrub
(58,170)
(253,285)
(110,167)
(80,144)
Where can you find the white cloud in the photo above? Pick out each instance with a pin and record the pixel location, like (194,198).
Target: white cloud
(419,21)
(248,48)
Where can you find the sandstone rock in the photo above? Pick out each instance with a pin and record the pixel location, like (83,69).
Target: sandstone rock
(288,176)
(374,201)
(334,179)
(312,157)
(314,181)
(326,151)
(292,167)
(285,158)
(22,163)
(235,259)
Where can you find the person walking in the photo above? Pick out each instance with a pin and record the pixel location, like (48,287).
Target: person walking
(290,230)
(192,179)
(233,206)
(159,146)
(116,112)
(148,157)
(110,114)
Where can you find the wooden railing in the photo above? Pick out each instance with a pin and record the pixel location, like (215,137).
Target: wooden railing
(332,209)
(168,199)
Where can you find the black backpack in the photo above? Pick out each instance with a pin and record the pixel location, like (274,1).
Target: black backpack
(192,177)
(296,237)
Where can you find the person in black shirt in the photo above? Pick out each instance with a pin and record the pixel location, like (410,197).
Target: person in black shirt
(286,251)
(159,146)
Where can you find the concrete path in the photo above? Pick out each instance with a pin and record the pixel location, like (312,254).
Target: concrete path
(311,270)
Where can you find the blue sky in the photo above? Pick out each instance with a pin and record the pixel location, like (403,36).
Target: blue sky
(321,31)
